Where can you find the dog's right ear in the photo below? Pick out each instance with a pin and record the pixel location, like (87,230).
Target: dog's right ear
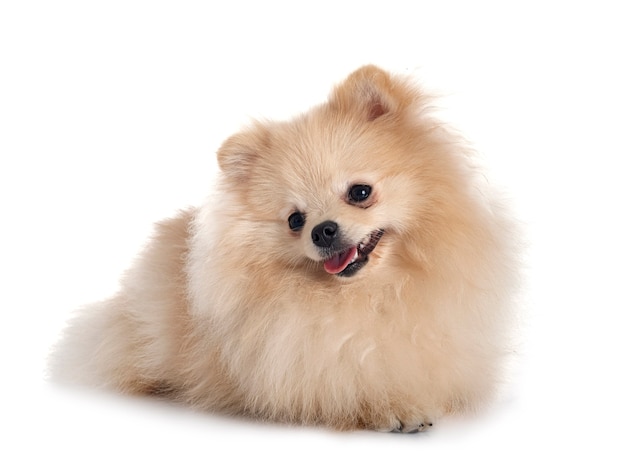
(239,153)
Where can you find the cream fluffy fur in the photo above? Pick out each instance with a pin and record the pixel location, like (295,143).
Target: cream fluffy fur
(230,310)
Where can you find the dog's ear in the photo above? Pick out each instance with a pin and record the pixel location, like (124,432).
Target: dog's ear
(373,93)
(239,153)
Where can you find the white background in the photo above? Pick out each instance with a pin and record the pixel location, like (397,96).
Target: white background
(110,115)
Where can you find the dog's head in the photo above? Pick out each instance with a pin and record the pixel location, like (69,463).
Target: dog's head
(334,189)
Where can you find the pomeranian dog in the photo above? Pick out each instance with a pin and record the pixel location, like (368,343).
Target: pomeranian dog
(352,270)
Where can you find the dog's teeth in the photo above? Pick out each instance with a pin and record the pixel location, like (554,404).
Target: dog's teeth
(356,255)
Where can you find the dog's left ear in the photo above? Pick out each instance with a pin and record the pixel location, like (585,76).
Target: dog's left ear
(373,93)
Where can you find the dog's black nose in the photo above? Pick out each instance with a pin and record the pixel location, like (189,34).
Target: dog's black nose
(324,233)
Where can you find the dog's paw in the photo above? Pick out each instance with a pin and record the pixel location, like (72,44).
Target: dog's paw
(407,426)
(410,428)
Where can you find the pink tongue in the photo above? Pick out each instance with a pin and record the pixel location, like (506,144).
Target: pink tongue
(339,262)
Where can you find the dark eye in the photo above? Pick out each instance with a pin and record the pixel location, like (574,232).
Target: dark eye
(359,193)
(296,221)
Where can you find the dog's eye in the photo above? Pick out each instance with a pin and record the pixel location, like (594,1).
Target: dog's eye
(296,221)
(359,193)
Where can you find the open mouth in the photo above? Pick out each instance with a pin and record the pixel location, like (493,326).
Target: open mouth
(347,262)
